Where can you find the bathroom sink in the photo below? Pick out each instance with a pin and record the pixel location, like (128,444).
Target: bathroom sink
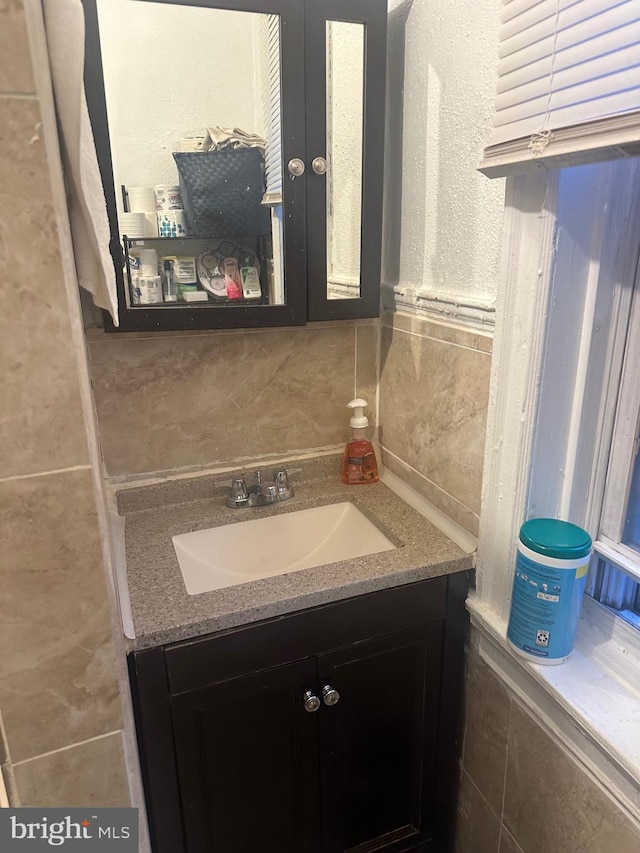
(264,547)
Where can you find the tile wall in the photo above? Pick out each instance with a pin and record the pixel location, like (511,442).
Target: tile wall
(177,400)
(520,791)
(434,391)
(60,710)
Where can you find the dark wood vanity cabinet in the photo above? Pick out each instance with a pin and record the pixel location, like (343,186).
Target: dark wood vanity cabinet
(329,730)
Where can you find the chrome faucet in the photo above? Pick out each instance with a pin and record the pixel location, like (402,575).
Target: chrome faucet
(260,493)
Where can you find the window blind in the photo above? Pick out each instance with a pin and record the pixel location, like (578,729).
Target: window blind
(568,87)
(271,100)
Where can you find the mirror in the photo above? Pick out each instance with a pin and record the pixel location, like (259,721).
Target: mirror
(345,122)
(193,100)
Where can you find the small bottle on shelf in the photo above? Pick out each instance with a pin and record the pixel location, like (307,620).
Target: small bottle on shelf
(169,286)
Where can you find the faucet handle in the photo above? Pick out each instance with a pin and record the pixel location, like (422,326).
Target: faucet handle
(282,482)
(238,493)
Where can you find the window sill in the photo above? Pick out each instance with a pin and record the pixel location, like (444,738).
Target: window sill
(589,709)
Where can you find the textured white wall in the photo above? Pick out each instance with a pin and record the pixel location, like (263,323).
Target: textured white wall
(172,70)
(442,218)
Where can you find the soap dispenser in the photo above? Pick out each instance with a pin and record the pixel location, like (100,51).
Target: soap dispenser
(359,461)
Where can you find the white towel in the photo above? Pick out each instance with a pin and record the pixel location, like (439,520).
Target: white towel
(218,138)
(64,21)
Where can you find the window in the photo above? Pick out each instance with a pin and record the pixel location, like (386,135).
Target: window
(615,576)
(616,590)
(563,333)
(568,88)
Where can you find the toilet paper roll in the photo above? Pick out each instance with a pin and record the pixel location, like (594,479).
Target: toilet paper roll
(146,289)
(148,262)
(142,199)
(172,223)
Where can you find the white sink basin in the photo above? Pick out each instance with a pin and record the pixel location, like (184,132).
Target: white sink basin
(263,547)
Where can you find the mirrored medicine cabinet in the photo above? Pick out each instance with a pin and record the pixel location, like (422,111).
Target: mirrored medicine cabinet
(240,144)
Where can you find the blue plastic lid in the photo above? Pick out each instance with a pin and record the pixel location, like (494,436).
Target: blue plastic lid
(555,538)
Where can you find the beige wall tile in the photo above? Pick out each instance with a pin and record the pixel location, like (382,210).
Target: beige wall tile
(566,812)
(454,509)
(508,843)
(417,325)
(15,66)
(477,827)
(89,774)
(185,401)
(488,709)
(41,418)
(433,405)
(366,378)
(57,681)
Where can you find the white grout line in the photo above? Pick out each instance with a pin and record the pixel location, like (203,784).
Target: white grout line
(439,340)
(65,748)
(355,363)
(53,471)
(19,96)
(506,764)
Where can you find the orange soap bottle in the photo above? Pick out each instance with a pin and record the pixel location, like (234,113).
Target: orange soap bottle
(359,461)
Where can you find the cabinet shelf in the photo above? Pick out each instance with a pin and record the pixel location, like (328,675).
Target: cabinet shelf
(127,239)
(199,306)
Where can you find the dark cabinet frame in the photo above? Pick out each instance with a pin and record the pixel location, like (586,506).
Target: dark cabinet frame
(374,17)
(186,317)
(304,198)
(422,624)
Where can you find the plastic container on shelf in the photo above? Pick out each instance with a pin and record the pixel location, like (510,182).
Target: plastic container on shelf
(548,585)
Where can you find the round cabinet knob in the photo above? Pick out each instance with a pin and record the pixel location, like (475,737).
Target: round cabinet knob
(296,167)
(311,702)
(330,695)
(319,165)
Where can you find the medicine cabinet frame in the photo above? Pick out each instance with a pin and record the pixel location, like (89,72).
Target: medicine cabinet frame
(304,217)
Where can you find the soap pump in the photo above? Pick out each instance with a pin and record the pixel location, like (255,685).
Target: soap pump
(359,461)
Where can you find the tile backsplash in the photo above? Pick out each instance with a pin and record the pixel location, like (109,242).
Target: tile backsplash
(189,400)
(434,391)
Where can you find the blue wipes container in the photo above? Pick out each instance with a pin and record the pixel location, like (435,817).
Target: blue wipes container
(551,572)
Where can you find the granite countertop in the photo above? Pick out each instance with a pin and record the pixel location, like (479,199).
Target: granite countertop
(162,610)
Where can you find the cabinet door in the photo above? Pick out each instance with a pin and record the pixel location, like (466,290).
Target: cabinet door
(345,66)
(247,755)
(378,743)
(183,66)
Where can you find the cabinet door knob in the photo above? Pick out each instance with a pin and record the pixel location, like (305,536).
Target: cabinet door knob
(330,695)
(296,167)
(311,702)
(319,165)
